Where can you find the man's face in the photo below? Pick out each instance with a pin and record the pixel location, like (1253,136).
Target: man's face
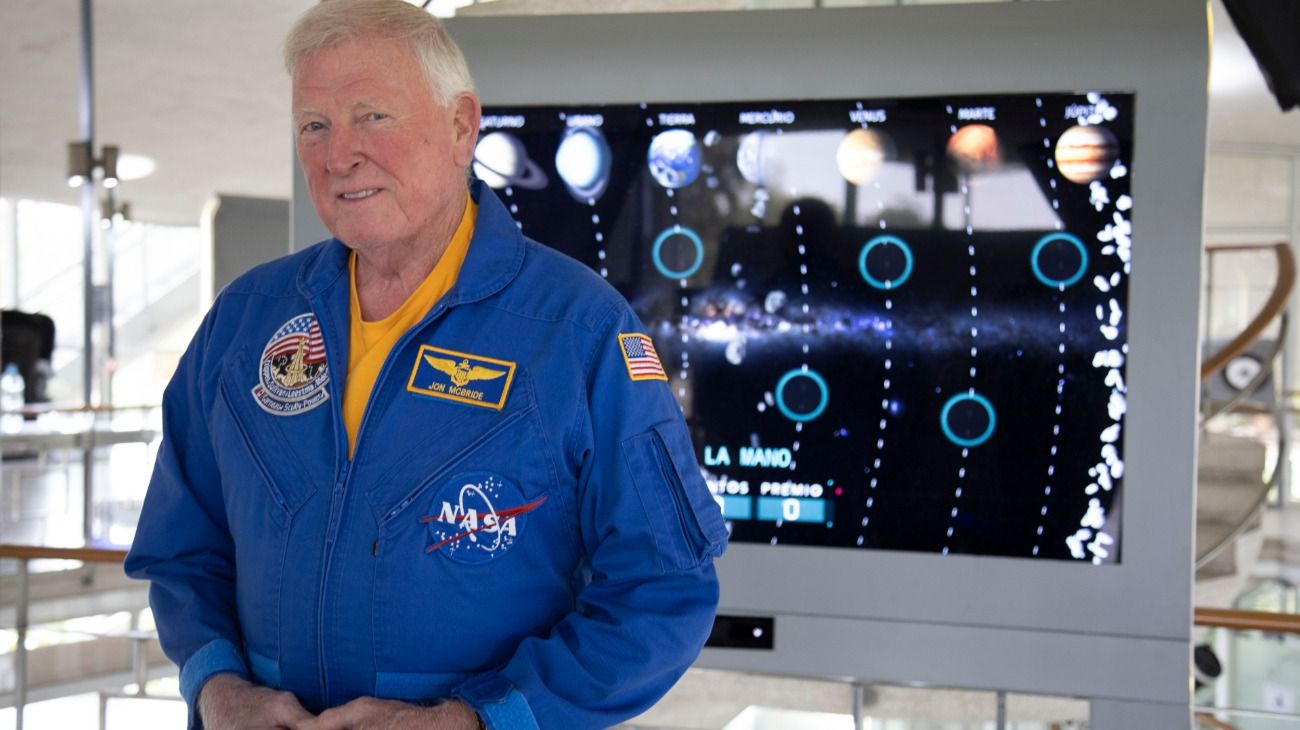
(384,161)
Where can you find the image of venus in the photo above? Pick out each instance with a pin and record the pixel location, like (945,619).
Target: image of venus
(860,155)
(1086,153)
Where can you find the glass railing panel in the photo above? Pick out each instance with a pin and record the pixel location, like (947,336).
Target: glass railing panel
(1244,720)
(1253,681)
(42,477)
(83,711)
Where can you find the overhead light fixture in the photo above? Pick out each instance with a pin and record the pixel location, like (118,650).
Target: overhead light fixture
(109,164)
(111,214)
(80,165)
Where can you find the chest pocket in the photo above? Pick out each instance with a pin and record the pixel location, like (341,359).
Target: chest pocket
(420,439)
(279,451)
(476,519)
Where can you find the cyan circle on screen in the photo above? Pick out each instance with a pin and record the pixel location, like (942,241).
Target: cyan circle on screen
(691,236)
(817,380)
(885,240)
(968,442)
(1043,243)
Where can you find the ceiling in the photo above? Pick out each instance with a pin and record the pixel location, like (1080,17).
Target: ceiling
(199,87)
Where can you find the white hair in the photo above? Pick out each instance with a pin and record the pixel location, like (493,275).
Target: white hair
(332,22)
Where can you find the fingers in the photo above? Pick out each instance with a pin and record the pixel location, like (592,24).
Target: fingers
(343,717)
(369,713)
(284,710)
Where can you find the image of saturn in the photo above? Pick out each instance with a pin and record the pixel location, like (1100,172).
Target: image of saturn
(892,324)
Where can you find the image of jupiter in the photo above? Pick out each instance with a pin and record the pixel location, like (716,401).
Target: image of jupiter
(1086,153)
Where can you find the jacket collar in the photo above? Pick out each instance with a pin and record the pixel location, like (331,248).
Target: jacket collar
(495,256)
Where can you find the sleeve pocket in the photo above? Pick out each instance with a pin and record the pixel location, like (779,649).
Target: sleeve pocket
(686,521)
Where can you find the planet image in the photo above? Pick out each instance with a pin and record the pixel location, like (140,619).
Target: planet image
(975,148)
(1086,153)
(751,157)
(583,161)
(861,154)
(500,160)
(674,158)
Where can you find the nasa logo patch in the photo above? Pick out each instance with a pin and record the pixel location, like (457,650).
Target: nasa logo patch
(292,373)
(477,517)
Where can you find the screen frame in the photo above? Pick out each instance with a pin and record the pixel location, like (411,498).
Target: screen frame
(1118,631)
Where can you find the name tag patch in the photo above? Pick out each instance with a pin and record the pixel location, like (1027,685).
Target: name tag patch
(292,373)
(477,517)
(461,377)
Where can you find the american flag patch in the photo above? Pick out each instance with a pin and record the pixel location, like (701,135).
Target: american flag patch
(641,358)
(299,331)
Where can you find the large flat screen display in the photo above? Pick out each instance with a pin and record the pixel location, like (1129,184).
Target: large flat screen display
(892,324)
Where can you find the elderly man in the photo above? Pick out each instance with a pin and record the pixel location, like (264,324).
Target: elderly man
(427,473)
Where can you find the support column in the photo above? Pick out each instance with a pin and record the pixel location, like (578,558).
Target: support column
(89,215)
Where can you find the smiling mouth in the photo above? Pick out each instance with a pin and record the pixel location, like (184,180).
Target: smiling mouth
(360,194)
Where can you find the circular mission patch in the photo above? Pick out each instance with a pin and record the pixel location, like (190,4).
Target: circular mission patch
(292,373)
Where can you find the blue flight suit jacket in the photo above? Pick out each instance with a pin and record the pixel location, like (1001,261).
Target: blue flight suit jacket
(523,525)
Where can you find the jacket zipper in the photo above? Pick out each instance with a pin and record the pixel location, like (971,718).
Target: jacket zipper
(339,494)
(675,493)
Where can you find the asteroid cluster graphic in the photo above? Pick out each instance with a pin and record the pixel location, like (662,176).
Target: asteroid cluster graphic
(892,324)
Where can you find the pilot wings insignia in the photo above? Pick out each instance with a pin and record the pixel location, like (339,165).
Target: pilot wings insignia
(461,377)
(461,374)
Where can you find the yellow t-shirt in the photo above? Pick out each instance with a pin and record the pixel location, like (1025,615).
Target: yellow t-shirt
(370,342)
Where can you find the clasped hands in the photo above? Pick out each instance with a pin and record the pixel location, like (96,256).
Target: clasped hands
(228,702)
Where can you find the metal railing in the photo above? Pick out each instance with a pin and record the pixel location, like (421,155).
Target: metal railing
(1235,620)
(1273,310)
(93,427)
(24,554)
(1238,620)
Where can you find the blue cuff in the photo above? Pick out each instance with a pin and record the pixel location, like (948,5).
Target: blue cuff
(216,657)
(496,700)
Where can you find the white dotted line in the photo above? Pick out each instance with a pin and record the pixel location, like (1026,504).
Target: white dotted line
(1056,426)
(684,372)
(884,415)
(974,349)
(600,240)
(1060,364)
(885,388)
(803,274)
(510,193)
